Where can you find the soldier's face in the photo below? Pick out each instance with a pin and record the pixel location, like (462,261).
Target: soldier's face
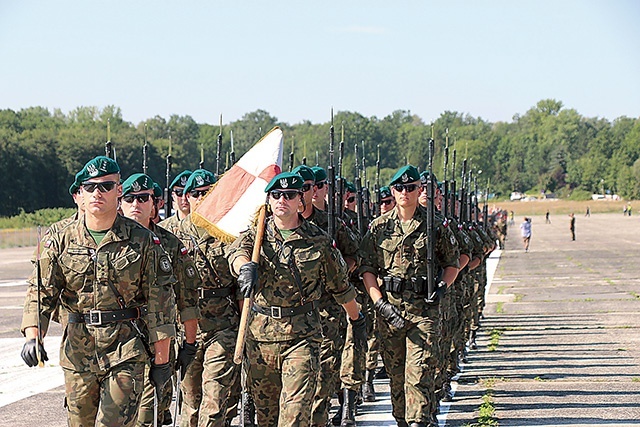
(283,207)
(180,201)
(387,204)
(350,201)
(320,192)
(134,207)
(99,202)
(308,194)
(406,198)
(196,195)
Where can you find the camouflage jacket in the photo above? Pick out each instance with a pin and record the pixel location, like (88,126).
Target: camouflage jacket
(187,277)
(77,274)
(171,224)
(465,244)
(388,251)
(320,267)
(208,253)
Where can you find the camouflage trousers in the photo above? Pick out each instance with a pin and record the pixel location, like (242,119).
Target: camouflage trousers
(353,359)
(448,316)
(371,362)
(145,414)
(210,380)
(281,378)
(333,320)
(409,357)
(108,398)
(458,325)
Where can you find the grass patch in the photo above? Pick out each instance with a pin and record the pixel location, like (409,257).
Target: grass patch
(539,379)
(635,379)
(487,410)
(635,295)
(500,307)
(518,297)
(495,339)
(501,289)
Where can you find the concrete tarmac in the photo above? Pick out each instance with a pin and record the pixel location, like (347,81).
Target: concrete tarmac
(558,345)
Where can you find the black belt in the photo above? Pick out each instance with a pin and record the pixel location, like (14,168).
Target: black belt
(214,293)
(279,312)
(98,317)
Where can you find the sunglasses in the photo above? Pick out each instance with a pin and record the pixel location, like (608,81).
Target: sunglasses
(306,187)
(197,193)
(410,188)
(386,202)
(103,187)
(141,198)
(351,199)
(320,184)
(178,192)
(289,195)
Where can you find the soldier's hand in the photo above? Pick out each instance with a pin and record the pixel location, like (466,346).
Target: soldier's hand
(248,278)
(186,354)
(390,313)
(29,353)
(438,294)
(159,375)
(359,329)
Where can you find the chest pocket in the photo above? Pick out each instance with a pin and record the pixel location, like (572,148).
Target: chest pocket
(419,250)
(125,273)
(309,265)
(390,252)
(77,263)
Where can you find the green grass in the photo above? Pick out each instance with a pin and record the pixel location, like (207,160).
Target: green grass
(635,379)
(518,297)
(500,307)
(487,410)
(495,339)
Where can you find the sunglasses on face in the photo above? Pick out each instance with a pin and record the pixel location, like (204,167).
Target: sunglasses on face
(289,195)
(178,192)
(306,187)
(141,198)
(320,184)
(103,187)
(386,202)
(197,193)
(410,188)
(351,199)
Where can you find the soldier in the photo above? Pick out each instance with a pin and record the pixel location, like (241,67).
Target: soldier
(114,279)
(320,188)
(211,380)
(395,249)
(180,202)
(139,202)
(284,334)
(387,202)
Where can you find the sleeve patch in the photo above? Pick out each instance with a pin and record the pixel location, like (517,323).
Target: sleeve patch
(156,240)
(183,251)
(190,272)
(165,265)
(47,244)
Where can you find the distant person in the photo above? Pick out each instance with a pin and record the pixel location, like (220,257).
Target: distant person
(546,218)
(624,210)
(629,209)
(588,213)
(572,226)
(511,218)
(525,230)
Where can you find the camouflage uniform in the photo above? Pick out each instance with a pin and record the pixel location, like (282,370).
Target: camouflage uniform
(408,354)
(210,378)
(284,352)
(104,364)
(171,224)
(334,325)
(471,295)
(185,289)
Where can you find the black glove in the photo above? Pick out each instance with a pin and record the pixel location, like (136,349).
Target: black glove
(438,294)
(247,278)
(359,330)
(159,375)
(390,313)
(29,353)
(186,354)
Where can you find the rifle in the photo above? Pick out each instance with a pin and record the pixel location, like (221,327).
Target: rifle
(108,149)
(462,200)
(201,164)
(145,152)
(38,306)
(167,189)
(232,154)
(475,200)
(331,182)
(445,184)
(340,183)
(431,244)
(304,158)
(485,207)
(218,149)
(453,186)
(376,188)
(366,197)
(358,185)
(291,156)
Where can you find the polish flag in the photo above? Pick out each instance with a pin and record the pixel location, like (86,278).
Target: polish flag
(232,203)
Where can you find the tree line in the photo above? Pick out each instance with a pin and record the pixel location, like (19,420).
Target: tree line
(549,149)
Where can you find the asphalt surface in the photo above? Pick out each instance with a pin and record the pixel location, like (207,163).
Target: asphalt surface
(558,345)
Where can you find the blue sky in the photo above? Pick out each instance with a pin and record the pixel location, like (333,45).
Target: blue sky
(297,59)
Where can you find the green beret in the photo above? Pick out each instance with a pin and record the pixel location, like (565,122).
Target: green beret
(157,191)
(305,172)
(100,166)
(181,179)
(137,182)
(199,178)
(385,192)
(73,189)
(424,177)
(285,181)
(441,185)
(405,175)
(348,186)
(320,173)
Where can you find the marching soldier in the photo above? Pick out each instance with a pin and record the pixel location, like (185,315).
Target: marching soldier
(180,202)
(395,249)
(114,279)
(297,262)
(320,188)
(139,202)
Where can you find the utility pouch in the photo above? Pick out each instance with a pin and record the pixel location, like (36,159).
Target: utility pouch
(419,285)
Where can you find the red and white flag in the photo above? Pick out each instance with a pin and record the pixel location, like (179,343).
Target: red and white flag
(230,206)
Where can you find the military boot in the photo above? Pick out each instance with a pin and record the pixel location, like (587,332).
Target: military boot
(447,393)
(368,392)
(337,418)
(348,408)
(402,423)
(472,341)
(248,411)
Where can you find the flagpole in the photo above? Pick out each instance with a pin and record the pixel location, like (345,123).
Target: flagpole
(248,302)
